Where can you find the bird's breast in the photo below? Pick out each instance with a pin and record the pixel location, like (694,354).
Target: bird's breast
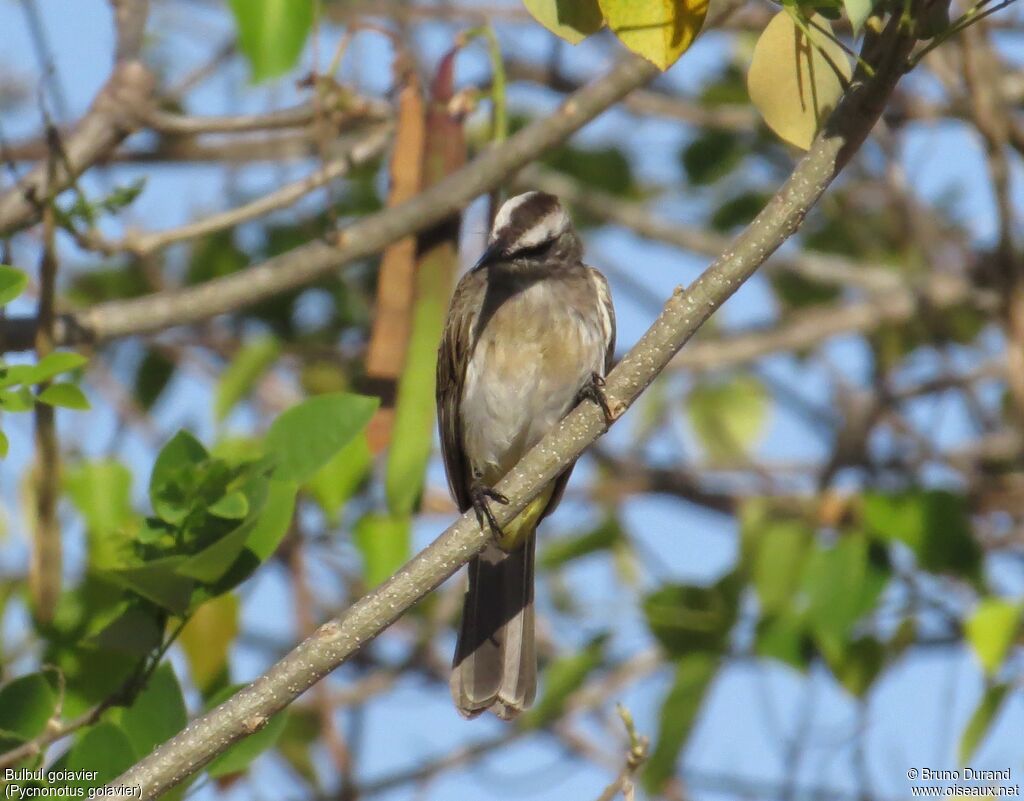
(530,360)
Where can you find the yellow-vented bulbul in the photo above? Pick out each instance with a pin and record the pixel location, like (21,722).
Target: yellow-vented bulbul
(530,332)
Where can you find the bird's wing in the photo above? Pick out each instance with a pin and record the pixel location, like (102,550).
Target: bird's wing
(607,311)
(452,358)
(607,316)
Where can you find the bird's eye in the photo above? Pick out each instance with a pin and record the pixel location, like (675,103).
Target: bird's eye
(533,251)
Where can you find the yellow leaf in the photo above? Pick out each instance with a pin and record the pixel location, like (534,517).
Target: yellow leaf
(793,82)
(572,20)
(206,639)
(659,30)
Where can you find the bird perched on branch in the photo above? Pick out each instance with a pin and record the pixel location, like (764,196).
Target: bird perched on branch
(530,333)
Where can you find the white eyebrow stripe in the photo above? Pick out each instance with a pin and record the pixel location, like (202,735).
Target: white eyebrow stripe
(545,228)
(504,216)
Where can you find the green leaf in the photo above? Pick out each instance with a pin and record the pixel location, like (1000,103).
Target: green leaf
(572,20)
(299,739)
(305,437)
(784,638)
(712,156)
(207,638)
(561,679)
(981,721)
(157,580)
(693,676)
(412,436)
(607,169)
(559,552)
(274,519)
(686,618)
(781,551)
(383,542)
(793,82)
(12,283)
(935,524)
(233,506)
(728,416)
(157,713)
(272,33)
(211,563)
(4,445)
(659,30)
(103,748)
(67,396)
(334,483)
(26,705)
(101,491)
(136,631)
(859,665)
(992,629)
(238,757)
(842,585)
(174,466)
(18,400)
(151,379)
(237,381)
(53,364)
(90,674)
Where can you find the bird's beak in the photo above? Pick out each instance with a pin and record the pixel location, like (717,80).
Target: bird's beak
(492,252)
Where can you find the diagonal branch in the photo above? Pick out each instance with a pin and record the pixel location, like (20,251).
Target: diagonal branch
(684,313)
(117,111)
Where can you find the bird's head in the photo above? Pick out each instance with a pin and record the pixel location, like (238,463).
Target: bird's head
(529,229)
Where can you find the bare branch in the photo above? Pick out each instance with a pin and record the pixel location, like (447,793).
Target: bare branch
(362,152)
(812,327)
(117,111)
(306,264)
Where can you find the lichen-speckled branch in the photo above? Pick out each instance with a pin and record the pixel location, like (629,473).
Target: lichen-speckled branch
(687,309)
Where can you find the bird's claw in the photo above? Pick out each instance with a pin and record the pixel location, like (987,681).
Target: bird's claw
(479,493)
(593,390)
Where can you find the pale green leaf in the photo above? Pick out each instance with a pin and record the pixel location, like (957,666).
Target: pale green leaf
(383,542)
(992,629)
(794,81)
(728,416)
(251,362)
(206,640)
(334,483)
(679,710)
(67,396)
(304,438)
(272,33)
(101,491)
(981,721)
(858,12)
(12,283)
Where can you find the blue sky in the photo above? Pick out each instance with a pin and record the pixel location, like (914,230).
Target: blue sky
(917,710)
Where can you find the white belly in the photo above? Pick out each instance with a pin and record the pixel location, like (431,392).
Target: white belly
(517,392)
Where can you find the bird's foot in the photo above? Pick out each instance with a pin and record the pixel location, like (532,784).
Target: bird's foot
(593,390)
(479,494)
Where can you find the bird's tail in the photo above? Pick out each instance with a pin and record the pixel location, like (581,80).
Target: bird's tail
(495,662)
